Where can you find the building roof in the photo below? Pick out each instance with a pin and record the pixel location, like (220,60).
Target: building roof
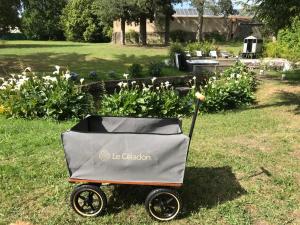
(192,12)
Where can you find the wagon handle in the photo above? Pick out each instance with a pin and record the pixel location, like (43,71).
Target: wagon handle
(200,98)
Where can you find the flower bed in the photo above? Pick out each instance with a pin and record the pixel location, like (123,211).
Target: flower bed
(57,96)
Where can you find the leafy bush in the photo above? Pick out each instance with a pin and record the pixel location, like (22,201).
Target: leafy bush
(204,46)
(132,37)
(273,49)
(155,69)
(288,43)
(179,35)
(175,47)
(135,70)
(155,100)
(32,96)
(215,36)
(233,88)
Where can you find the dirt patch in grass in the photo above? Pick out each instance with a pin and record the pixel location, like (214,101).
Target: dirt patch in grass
(20,222)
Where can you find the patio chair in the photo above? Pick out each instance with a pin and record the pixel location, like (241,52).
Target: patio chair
(199,53)
(213,54)
(224,54)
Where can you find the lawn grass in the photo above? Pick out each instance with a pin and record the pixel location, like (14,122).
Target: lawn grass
(243,168)
(81,58)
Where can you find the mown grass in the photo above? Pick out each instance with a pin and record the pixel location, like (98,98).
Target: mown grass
(81,58)
(243,168)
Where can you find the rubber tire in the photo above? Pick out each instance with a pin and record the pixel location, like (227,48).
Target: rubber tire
(88,187)
(154,193)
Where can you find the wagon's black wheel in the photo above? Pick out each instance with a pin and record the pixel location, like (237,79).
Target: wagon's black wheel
(88,200)
(163,204)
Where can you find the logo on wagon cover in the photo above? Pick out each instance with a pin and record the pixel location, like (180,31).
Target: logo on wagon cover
(105,156)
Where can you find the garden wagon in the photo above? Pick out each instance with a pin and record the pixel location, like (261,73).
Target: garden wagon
(130,151)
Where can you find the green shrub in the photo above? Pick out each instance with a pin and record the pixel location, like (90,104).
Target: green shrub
(135,70)
(32,96)
(175,47)
(204,46)
(233,88)
(178,35)
(132,37)
(273,49)
(155,69)
(215,36)
(288,43)
(156,100)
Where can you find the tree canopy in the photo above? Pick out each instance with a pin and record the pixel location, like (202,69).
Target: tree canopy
(81,23)
(275,14)
(41,19)
(9,15)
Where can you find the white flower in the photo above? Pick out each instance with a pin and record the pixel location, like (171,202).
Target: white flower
(214,78)
(150,86)
(145,89)
(125,85)
(1,78)
(125,75)
(232,75)
(261,72)
(27,69)
(57,70)
(190,81)
(194,77)
(67,76)
(133,82)
(238,76)
(120,84)
(193,87)
(157,88)
(81,80)
(153,79)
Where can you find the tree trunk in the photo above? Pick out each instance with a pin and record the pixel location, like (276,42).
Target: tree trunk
(167,29)
(229,26)
(123,31)
(143,30)
(200,24)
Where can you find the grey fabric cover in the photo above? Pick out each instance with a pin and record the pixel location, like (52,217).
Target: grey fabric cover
(126,149)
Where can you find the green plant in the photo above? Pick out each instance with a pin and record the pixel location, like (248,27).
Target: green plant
(204,46)
(288,43)
(175,47)
(155,100)
(178,35)
(135,70)
(215,36)
(155,69)
(32,96)
(233,88)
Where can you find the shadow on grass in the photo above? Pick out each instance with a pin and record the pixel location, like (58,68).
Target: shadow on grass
(203,188)
(284,98)
(79,63)
(37,45)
